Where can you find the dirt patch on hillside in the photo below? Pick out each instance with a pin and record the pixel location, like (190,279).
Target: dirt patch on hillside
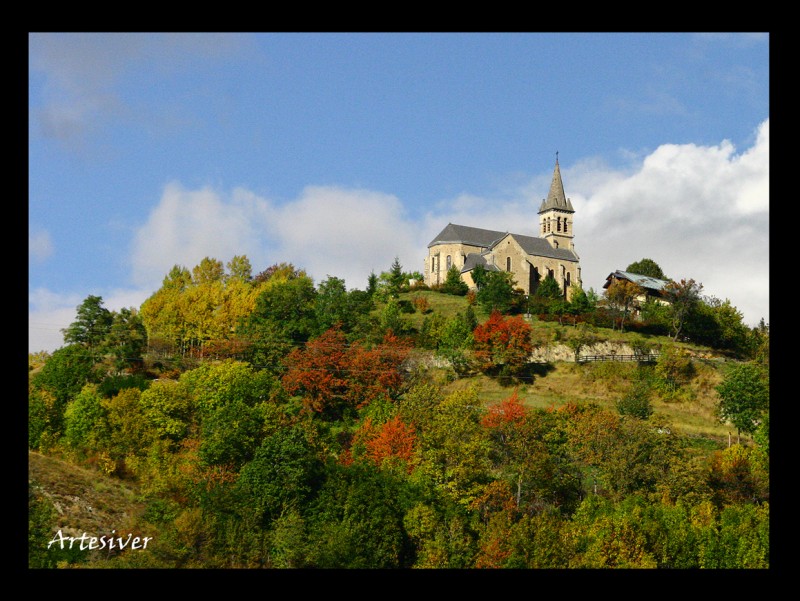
(85,500)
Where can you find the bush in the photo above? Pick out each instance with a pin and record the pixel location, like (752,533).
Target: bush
(637,402)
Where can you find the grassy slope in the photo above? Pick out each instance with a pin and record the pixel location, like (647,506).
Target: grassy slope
(690,413)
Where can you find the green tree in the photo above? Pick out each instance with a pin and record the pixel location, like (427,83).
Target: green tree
(281,475)
(646,267)
(580,303)
(453,284)
(682,296)
(497,291)
(240,267)
(63,376)
(453,446)
(92,325)
(674,369)
(127,339)
(169,408)
(583,336)
(372,283)
(547,293)
(231,434)
(84,417)
(42,525)
(215,385)
(479,276)
(457,339)
(334,305)
(396,278)
(636,402)
(357,519)
(744,396)
(130,434)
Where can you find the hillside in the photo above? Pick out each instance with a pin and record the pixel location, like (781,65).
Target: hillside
(690,411)
(85,500)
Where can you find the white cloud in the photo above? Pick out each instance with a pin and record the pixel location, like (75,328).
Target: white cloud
(327,231)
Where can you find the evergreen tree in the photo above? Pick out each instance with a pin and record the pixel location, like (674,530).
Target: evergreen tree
(453,283)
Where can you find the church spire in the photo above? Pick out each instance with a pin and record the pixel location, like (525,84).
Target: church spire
(556,199)
(556,214)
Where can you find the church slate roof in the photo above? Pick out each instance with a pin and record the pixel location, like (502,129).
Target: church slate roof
(475,236)
(462,234)
(541,248)
(474,259)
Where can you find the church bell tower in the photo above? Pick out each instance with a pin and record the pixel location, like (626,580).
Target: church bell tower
(555,215)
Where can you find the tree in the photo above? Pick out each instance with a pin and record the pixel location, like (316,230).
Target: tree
(479,276)
(208,270)
(547,293)
(334,305)
(636,401)
(239,267)
(646,267)
(92,325)
(744,396)
(168,407)
(682,297)
(622,295)
(372,283)
(356,521)
(580,303)
(453,284)
(127,339)
(396,278)
(497,291)
(285,307)
(66,371)
(280,476)
(82,417)
(503,342)
(456,339)
(388,444)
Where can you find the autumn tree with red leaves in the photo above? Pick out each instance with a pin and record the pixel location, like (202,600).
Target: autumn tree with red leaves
(393,442)
(332,375)
(503,342)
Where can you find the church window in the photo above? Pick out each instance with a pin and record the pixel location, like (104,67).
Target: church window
(558,224)
(565,225)
(508,263)
(449,262)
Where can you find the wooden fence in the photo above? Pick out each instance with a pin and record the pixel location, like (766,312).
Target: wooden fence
(614,357)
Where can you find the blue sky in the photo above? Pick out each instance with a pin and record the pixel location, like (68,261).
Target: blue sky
(339,151)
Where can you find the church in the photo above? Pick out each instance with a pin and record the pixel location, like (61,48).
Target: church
(529,258)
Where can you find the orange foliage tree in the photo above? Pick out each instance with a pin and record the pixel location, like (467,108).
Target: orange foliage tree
(392,441)
(332,375)
(503,342)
